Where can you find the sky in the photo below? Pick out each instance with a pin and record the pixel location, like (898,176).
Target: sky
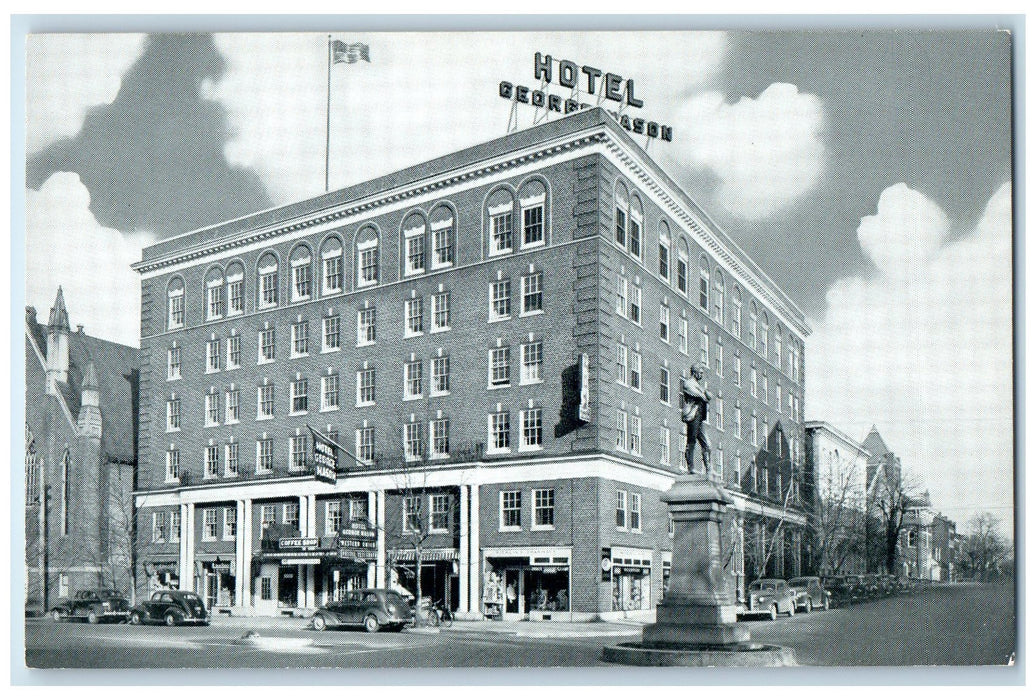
(869,173)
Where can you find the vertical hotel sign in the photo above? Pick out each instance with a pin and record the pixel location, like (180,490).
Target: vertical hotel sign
(584,387)
(325,459)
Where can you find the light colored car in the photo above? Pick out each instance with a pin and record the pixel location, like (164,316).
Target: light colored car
(770,597)
(810,594)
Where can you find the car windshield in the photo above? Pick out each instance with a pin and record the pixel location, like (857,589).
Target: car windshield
(799,582)
(764,586)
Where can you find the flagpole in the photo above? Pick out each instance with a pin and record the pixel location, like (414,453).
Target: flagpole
(327,142)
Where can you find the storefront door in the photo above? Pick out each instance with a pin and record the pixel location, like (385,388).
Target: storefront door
(211,590)
(288,587)
(513,593)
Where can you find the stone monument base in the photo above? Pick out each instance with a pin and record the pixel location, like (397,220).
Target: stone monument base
(723,655)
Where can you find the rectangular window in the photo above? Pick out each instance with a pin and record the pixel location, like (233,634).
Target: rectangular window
(441,311)
(737,369)
(232,456)
(300,396)
(413,380)
(532,428)
(621,430)
(266,588)
(440,430)
(366,328)
(158,531)
(621,513)
(176,309)
(298,448)
(263,456)
(439,520)
(440,375)
(663,322)
(753,380)
(268,289)
(229,523)
(532,362)
(172,465)
(173,365)
(719,413)
(635,436)
(233,352)
(766,389)
(268,516)
(684,332)
(663,258)
(532,226)
(211,409)
(663,385)
(233,406)
(622,296)
(500,300)
(500,431)
(211,462)
(414,316)
(300,339)
(212,355)
(332,517)
(236,294)
(267,345)
(719,357)
(265,402)
(415,253)
(411,514)
(329,392)
(365,445)
(442,242)
(412,442)
(333,275)
(664,436)
(532,293)
(502,228)
(210,530)
(510,510)
(737,421)
(636,366)
(681,275)
(302,279)
(365,387)
(635,297)
(622,364)
(703,348)
(291,515)
(543,508)
(172,414)
(174,526)
(368,267)
(620,225)
(500,367)
(635,512)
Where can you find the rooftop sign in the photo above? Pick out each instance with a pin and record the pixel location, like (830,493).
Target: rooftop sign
(594,81)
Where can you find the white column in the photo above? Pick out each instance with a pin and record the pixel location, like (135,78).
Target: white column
(240,579)
(465,556)
(380,575)
(311,569)
(475,556)
(187,533)
(244,565)
(372,569)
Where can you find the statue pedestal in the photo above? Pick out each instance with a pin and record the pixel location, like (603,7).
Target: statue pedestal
(696,623)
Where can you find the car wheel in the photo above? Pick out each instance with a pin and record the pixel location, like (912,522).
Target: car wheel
(319,623)
(135,618)
(773,611)
(809,605)
(57,615)
(371,624)
(92,617)
(171,619)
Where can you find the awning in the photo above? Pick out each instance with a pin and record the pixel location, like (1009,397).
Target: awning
(434,554)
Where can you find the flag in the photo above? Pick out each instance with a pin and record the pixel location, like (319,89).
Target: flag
(342,52)
(325,457)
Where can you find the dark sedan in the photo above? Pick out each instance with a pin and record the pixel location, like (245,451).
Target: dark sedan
(102,605)
(371,608)
(810,593)
(171,608)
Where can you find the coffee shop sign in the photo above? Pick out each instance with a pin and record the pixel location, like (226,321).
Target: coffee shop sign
(594,81)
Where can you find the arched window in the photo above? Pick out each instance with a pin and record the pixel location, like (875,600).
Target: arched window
(664,249)
(215,294)
(622,203)
(500,217)
(682,264)
(532,196)
(267,269)
(703,283)
(301,261)
(331,266)
(443,239)
(718,296)
(764,337)
(753,322)
(235,288)
(636,227)
(414,232)
(175,293)
(735,313)
(366,257)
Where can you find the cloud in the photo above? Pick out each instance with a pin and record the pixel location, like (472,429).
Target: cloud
(923,348)
(421,96)
(67,74)
(66,246)
(766,152)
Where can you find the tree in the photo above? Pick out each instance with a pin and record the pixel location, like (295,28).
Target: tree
(986,550)
(889,502)
(838,516)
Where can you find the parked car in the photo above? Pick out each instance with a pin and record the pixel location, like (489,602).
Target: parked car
(838,590)
(96,605)
(770,596)
(855,588)
(370,608)
(871,585)
(171,608)
(810,593)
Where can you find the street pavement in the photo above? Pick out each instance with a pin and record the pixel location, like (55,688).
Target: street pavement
(949,624)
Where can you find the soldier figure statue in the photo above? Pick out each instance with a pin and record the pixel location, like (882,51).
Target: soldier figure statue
(695,410)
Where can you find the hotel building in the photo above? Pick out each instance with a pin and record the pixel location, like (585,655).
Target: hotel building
(496,337)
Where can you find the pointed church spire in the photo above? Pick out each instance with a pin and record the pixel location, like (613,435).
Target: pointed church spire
(58,313)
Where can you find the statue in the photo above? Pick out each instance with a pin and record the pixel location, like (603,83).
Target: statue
(695,410)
